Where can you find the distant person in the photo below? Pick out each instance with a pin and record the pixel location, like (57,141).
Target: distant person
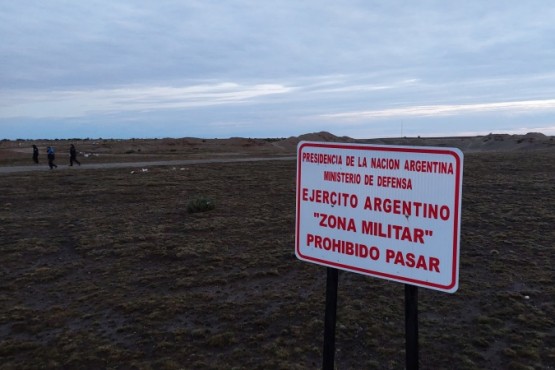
(51,157)
(35,154)
(73,156)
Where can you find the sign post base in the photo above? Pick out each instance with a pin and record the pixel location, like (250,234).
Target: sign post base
(330,319)
(411,326)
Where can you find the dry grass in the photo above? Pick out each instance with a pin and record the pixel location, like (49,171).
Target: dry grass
(95,151)
(104,269)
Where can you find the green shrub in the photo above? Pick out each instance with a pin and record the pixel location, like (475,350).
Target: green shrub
(200,204)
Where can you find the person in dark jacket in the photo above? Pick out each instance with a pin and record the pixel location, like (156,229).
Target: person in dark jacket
(73,156)
(51,157)
(35,154)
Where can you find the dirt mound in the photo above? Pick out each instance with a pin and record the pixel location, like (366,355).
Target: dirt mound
(505,142)
(487,143)
(323,136)
(536,135)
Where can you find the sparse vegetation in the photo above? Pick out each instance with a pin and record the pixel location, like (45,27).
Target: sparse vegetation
(118,274)
(200,204)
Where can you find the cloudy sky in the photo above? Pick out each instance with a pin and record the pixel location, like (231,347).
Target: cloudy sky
(261,68)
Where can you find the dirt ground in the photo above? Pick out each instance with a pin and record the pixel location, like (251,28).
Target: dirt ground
(98,151)
(105,268)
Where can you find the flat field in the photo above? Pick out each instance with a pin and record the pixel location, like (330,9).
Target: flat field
(107,269)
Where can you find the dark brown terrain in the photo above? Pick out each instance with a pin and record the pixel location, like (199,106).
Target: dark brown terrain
(112,268)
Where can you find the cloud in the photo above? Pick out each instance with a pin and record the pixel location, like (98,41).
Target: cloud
(77,103)
(353,87)
(270,65)
(443,110)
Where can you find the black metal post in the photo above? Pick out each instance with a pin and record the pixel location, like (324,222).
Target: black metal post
(330,319)
(411,326)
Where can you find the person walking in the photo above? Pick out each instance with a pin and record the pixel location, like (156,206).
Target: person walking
(73,155)
(51,157)
(35,154)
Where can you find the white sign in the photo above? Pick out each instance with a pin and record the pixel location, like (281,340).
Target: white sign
(393,212)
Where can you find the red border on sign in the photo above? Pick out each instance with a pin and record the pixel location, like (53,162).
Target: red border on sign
(456,217)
